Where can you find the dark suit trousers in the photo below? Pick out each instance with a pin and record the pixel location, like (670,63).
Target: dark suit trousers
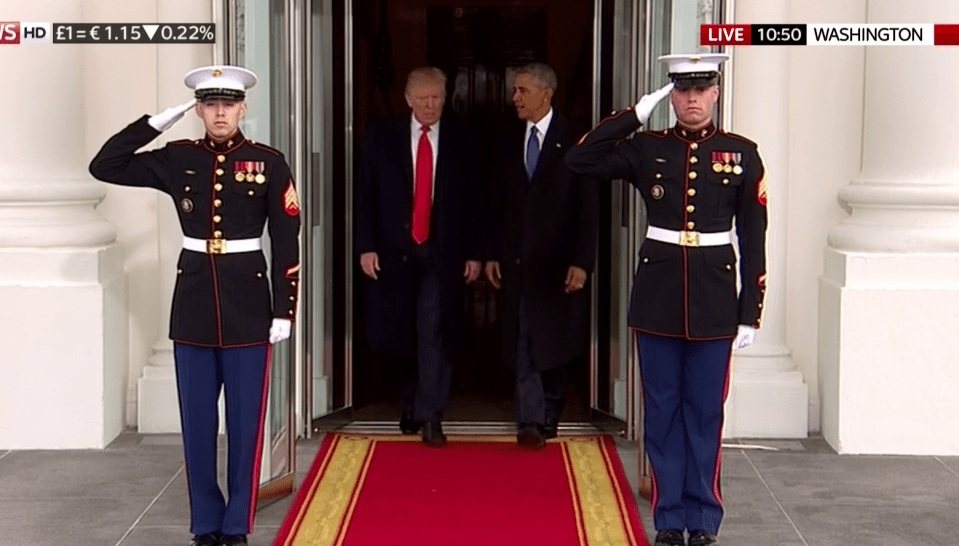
(434,365)
(539,396)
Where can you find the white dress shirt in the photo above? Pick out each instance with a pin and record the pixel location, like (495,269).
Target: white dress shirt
(434,137)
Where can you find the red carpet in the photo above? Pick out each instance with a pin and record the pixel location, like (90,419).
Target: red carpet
(380,489)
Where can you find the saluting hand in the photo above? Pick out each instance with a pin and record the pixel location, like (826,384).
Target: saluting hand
(370,262)
(493,274)
(165,119)
(575,279)
(472,271)
(645,106)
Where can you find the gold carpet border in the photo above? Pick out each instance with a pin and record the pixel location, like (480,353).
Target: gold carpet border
(601,500)
(334,496)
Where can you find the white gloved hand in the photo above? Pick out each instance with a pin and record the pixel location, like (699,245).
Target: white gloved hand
(649,101)
(280,330)
(744,337)
(165,119)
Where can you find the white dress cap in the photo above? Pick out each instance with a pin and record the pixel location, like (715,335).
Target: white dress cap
(222,81)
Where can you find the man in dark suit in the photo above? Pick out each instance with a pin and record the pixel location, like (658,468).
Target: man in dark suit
(418,237)
(543,248)
(696,180)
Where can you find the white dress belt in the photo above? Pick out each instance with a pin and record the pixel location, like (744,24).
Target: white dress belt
(689,238)
(221,246)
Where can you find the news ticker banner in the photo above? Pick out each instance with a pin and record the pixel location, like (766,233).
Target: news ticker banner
(14,33)
(830,35)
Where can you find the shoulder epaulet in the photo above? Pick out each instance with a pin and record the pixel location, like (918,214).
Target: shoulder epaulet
(264,147)
(740,138)
(660,133)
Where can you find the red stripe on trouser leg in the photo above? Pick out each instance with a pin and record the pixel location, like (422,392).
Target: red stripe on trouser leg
(255,486)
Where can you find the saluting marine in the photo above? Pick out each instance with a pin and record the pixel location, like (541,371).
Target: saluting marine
(223,320)
(695,180)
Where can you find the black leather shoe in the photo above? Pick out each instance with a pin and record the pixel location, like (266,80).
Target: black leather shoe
(702,538)
(670,538)
(229,540)
(408,424)
(550,429)
(209,539)
(530,438)
(433,434)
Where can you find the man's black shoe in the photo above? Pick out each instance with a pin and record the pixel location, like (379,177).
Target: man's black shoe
(550,429)
(530,438)
(433,434)
(670,538)
(408,424)
(209,539)
(702,538)
(230,540)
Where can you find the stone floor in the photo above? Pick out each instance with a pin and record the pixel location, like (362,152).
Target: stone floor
(777,493)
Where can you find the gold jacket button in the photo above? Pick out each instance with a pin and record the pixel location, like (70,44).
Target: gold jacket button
(694,160)
(219,172)
(290,312)
(259,275)
(292,298)
(251,193)
(690,225)
(221,158)
(690,208)
(216,219)
(729,267)
(693,175)
(179,271)
(691,192)
(217,202)
(217,234)
(218,187)
(725,181)
(694,146)
(645,260)
(187,189)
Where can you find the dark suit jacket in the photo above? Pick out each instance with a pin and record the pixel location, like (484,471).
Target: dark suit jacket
(384,211)
(542,227)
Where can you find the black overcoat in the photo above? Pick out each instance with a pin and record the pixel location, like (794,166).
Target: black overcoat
(541,227)
(383,216)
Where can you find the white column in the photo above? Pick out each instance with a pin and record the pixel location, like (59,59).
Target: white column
(63,335)
(158,410)
(767,397)
(890,287)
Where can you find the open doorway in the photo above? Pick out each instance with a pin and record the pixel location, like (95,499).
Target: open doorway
(479,44)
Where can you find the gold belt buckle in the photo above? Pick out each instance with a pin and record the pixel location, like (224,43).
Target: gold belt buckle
(689,238)
(215,246)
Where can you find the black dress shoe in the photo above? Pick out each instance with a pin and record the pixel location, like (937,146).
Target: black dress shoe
(550,429)
(229,540)
(433,434)
(702,538)
(209,539)
(670,538)
(408,424)
(530,438)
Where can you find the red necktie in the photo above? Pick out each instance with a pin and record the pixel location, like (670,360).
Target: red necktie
(424,187)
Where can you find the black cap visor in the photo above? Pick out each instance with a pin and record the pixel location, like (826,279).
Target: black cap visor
(687,80)
(226,94)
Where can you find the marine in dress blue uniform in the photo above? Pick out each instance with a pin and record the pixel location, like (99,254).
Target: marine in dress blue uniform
(696,181)
(224,319)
